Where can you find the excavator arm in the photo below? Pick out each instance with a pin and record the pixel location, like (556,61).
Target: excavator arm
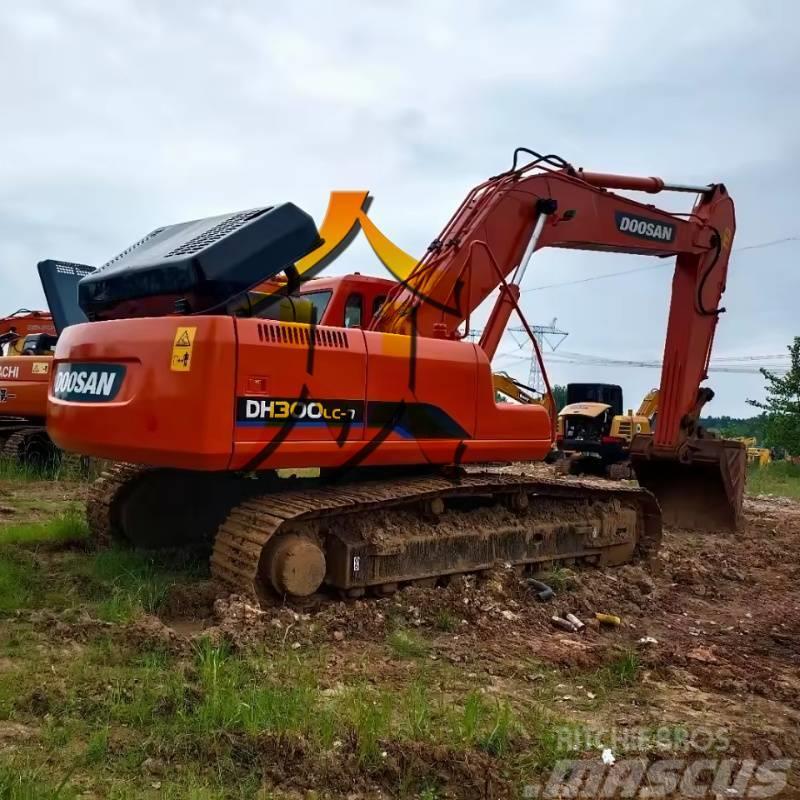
(649,405)
(487,246)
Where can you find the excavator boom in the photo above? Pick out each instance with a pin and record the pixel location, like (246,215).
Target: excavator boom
(492,237)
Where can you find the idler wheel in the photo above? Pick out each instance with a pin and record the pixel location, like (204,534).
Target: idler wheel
(295,565)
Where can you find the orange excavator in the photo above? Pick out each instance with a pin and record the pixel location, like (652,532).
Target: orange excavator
(27,341)
(24,380)
(192,377)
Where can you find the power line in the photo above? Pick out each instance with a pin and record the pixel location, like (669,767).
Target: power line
(592,278)
(607,275)
(583,359)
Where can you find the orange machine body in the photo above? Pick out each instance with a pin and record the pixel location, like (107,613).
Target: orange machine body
(23,386)
(258,396)
(214,392)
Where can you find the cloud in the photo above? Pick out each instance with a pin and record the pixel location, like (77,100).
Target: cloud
(122,116)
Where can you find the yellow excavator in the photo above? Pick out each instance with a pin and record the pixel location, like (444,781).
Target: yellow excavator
(594,435)
(755,454)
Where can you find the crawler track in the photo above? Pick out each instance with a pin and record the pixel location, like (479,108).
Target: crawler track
(389,529)
(29,446)
(372,535)
(107,494)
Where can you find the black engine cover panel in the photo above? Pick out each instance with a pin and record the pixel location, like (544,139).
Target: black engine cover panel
(204,262)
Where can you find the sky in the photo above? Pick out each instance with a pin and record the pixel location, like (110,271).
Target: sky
(120,116)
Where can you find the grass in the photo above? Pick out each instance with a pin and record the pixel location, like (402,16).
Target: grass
(101,703)
(621,672)
(114,585)
(559,579)
(68,471)
(780,478)
(217,706)
(445,621)
(68,527)
(406,643)
(28,784)
(131,582)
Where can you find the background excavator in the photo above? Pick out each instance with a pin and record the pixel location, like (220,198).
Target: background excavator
(594,434)
(27,341)
(177,371)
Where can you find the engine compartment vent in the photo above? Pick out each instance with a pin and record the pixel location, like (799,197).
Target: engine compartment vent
(302,335)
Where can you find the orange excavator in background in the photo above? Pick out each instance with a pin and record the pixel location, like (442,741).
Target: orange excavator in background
(15,328)
(27,341)
(185,370)
(24,380)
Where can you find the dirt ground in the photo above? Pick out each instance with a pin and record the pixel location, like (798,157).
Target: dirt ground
(715,622)
(711,629)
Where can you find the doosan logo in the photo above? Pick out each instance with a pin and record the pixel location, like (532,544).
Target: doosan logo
(88,382)
(645,228)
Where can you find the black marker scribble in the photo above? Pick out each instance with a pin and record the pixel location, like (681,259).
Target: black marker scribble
(280,437)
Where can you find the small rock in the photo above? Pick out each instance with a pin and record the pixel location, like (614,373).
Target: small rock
(774,750)
(703,655)
(338,636)
(644,583)
(153,766)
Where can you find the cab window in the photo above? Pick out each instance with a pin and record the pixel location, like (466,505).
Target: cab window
(377,303)
(353,310)
(290,309)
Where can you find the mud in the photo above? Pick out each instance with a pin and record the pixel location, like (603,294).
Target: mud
(721,608)
(714,623)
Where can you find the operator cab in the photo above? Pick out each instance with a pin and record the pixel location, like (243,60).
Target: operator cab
(346,301)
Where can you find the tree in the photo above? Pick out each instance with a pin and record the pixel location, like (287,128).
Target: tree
(559,395)
(782,406)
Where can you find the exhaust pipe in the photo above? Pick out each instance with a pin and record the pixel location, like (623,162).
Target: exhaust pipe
(700,487)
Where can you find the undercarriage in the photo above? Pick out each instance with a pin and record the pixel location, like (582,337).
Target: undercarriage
(359,535)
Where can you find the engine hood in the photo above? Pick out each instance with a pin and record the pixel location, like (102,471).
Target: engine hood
(584,410)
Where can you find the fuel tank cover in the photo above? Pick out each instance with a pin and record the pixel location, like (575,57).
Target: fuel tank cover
(202,263)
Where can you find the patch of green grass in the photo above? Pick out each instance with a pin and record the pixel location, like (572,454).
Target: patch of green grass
(11,471)
(558,579)
(489,725)
(407,644)
(621,672)
(445,621)
(113,706)
(780,478)
(131,582)
(68,468)
(19,581)
(97,747)
(69,527)
(28,784)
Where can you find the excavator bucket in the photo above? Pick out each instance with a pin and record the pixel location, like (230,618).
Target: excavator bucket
(703,490)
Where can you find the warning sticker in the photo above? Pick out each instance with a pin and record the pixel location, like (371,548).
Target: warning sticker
(182,349)
(40,368)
